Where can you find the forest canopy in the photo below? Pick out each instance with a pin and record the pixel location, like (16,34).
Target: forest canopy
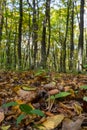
(43,34)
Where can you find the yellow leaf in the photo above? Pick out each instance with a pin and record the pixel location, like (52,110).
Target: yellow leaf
(16,108)
(17,88)
(5,127)
(28,88)
(51,122)
(78,108)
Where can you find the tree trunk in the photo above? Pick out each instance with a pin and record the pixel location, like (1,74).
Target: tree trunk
(20,34)
(43,46)
(81,37)
(35,33)
(64,43)
(8,65)
(49,26)
(44,53)
(72,39)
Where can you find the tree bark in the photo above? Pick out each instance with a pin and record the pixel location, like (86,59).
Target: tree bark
(64,43)
(81,37)
(44,52)
(35,33)
(20,34)
(72,39)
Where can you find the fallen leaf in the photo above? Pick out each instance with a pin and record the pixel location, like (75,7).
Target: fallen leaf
(5,127)
(53,91)
(51,122)
(77,108)
(72,125)
(2,116)
(27,95)
(28,88)
(50,85)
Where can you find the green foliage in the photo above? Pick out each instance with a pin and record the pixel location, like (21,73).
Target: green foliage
(20,118)
(60,95)
(40,72)
(83,87)
(37,112)
(85,66)
(29,110)
(24,108)
(9,104)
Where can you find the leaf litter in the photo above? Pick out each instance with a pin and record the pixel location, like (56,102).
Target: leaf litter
(61,97)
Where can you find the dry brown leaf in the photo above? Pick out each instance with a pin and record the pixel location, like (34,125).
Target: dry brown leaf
(27,95)
(53,91)
(52,122)
(50,85)
(67,88)
(71,125)
(48,113)
(2,116)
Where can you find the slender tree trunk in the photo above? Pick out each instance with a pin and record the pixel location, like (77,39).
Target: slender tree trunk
(64,43)
(44,53)
(35,33)
(49,26)
(86,45)
(1,26)
(43,46)
(1,19)
(81,37)
(72,39)
(29,49)
(28,45)
(15,57)
(20,33)
(8,60)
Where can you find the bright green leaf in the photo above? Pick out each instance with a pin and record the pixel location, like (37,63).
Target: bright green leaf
(52,97)
(25,108)
(9,104)
(20,118)
(83,87)
(38,112)
(62,94)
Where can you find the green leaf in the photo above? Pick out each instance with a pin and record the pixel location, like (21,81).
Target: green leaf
(28,110)
(9,104)
(85,66)
(85,98)
(62,94)
(20,118)
(38,112)
(83,87)
(25,108)
(40,72)
(52,97)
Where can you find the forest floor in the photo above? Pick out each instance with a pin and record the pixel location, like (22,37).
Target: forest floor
(59,101)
